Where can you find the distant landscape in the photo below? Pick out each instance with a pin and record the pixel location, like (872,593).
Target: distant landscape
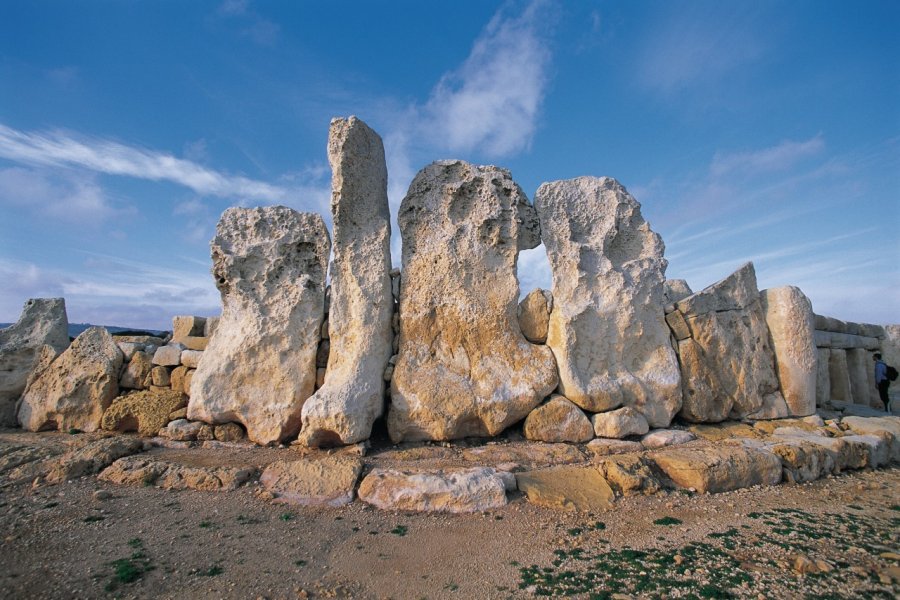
(76,328)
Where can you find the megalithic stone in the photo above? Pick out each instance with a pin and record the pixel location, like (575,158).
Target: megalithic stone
(791,324)
(343,410)
(607,328)
(269,265)
(840,377)
(464,368)
(823,381)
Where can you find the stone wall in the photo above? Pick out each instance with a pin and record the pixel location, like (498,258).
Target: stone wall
(846,371)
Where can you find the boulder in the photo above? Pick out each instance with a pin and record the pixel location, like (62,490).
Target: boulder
(607,328)
(718,469)
(530,455)
(73,391)
(803,461)
(444,490)
(229,432)
(846,453)
(196,343)
(791,323)
(675,290)
(567,488)
(727,365)
(558,421)
(329,480)
(628,474)
(660,438)
(43,322)
(344,408)
(91,458)
(534,315)
(464,368)
(147,471)
(145,412)
(259,368)
(160,376)
(620,423)
(168,355)
(210,327)
(191,358)
(182,430)
(137,371)
(187,326)
(178,378)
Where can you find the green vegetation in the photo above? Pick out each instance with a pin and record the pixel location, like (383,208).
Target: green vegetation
(93,518)
(667,521)
(286,516)
(399,530)
(128,570)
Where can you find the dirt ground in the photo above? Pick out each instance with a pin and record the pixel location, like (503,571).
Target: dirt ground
(833,538)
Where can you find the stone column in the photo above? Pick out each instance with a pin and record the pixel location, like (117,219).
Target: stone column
(791,324)
(823,381)
(859,382)
(840,378)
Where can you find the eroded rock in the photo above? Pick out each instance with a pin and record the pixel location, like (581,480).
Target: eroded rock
(149,470)
(567,488)
(145,412)
(329,480)
(443,490)
(534,315)
(607,328)
(559,420)
(718,469)
(344,408)
(269,265)
(464,368)
(620,423)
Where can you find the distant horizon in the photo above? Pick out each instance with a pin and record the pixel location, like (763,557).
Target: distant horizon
(743,129)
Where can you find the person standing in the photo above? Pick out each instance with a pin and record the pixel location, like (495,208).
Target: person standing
(881,380)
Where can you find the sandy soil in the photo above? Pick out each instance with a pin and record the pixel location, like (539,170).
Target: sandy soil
(836,537)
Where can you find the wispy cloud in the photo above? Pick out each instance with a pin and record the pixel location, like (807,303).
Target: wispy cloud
(55,148)
(491,102)
(254,26)
(776,158)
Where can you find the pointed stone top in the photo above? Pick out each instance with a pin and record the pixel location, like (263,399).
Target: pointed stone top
(736,291)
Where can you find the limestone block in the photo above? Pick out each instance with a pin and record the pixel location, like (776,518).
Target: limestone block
(675,290)
(720,468)
(186,325)
(529,455)
(445,490)
(534,315)
(128,349)
(188,378)
(791,323)
(659,438)
(464,367)
(329,480)
(75,389)
(183,430)
(607,328)
(874,398)
(628,475)
(43,322)
(559,420)
(160,376)
(839,375)
(210,327)
(177,379)
(879,448)
(143,471)
(823,381)
(803,461)
(229,432)
(139,367)
(567,488)
(857,364)
(845,453)
(773,407)
(145,412)
(91,458)
(606,446)
(269,265)
(145,340)
(620,423)
(824,323)
(194,342)
(727,366)
(168,355)
(343,410)
(675,321)
(191,358)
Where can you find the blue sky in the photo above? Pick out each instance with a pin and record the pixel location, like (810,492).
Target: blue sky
(764,131)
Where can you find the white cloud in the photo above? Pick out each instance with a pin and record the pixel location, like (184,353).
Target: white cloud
(103,156)
(776,158)
(491,102)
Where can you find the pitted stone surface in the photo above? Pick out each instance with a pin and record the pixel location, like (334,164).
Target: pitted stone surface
(791,323)
(534,315)
(719,469)
(43,322)
(727,365)
(444,490)
(145,412)
(675,290)
(464,368)
(73,391)
(620,423)
(559,420)
(329,480)
(352,396)
(607,329)
(269,265)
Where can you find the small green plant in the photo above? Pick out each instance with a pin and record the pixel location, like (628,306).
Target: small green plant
(206,524)
(667,521)
(300,563)
(244,520)
(575,531)
(212,571)
(75,431)
(399,530)
(93,518)
(599,526)
(286,516)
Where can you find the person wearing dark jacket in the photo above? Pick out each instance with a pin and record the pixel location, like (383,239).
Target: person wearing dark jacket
(881,381)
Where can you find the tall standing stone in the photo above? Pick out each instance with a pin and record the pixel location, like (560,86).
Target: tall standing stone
(607,328)
(840,377)
(464,368)
(74,390)
(344,408)
(43,322)
(727,363)
(269,265)
(823,381)
(857,364)
(791,324)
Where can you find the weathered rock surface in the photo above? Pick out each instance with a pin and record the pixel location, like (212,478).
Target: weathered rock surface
(845,452)
(191,358)
(137,371)
(567,488)
(445,490)
(344,408)
(607,329)
(534,315)
(229,432)
(269,265)
(727,365)
(858,364)
(629,474)
(791,323)
(529,455)
(620,423)
(91,458)
(823,381)
(719,469)
(145,412)
(803,461)
(675,290)
(464,368)
(73,391)
(168,355)
(150,470)
(839,376)
(329,480)
(559,420)
(182,430)
(606,446)
(187,326)
(666,437)
(43,322)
